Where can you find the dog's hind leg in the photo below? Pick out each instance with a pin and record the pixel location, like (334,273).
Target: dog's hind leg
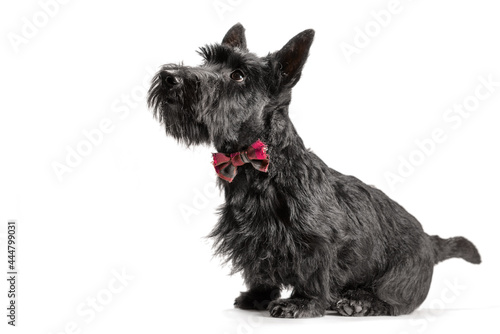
(405,285)
(398,291)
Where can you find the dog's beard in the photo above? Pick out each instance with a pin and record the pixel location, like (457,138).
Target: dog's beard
(171,109)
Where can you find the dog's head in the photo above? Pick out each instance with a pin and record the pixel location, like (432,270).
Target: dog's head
(225,100)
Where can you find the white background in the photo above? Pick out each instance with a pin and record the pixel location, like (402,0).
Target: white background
(124,207)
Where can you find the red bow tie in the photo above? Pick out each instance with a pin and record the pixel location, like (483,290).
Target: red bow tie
(226,165)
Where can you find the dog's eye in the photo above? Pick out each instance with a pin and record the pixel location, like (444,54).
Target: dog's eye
(237,76)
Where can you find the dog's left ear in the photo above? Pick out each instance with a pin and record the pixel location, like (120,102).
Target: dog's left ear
(293,56)
(235,37)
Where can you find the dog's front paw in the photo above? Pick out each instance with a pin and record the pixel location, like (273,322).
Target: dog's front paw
(282,308)
(243,302)
(256,299)
(248,302)
(295,308)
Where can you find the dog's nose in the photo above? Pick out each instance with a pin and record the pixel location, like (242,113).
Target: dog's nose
(171,80)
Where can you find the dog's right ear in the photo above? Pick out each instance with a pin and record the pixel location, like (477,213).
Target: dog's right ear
(293,56)
(235,37)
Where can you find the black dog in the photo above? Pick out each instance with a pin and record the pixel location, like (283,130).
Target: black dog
(288,219)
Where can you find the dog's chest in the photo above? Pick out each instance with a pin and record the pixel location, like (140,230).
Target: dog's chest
(262,238)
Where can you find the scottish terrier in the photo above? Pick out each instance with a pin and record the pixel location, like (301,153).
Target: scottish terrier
(290,221)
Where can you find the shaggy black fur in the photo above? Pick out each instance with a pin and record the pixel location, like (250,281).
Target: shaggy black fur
(341,244)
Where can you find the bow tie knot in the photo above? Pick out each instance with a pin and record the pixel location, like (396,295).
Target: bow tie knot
(226,164)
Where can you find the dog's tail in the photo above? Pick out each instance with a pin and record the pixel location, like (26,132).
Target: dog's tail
(454,247)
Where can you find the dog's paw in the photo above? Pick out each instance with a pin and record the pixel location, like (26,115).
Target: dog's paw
(243,302)
(255,300)
(353,308)
(295,308)
(283,309)
(246,302)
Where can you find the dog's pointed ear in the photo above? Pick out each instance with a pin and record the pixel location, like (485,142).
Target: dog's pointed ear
(235,37)
(293,56)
